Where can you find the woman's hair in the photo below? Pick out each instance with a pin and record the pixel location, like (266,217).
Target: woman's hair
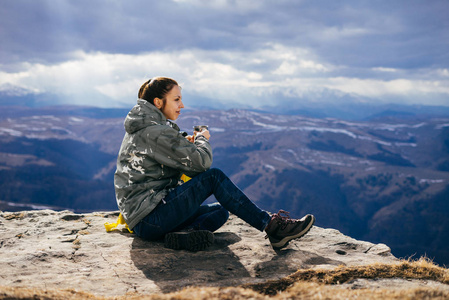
(157,87)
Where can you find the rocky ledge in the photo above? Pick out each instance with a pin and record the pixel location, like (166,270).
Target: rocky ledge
(63,250)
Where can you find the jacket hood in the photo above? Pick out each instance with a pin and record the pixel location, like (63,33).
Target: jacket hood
(142,115)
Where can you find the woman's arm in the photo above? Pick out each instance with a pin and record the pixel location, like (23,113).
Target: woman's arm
(175,151)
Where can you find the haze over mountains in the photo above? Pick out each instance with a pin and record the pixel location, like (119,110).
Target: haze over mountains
(383,180)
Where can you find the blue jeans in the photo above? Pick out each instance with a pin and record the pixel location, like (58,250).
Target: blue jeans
(182,209)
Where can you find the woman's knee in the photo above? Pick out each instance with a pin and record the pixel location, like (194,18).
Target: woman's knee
(217,172)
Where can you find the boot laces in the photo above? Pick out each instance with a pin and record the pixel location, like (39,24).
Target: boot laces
(283,218)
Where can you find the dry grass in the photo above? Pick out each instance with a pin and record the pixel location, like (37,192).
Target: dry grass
(42,294)
(309,290)
(300,290)
(196,293)
(420,269)
(303,284)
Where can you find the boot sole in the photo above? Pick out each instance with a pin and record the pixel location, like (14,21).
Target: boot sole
(191,241)
(282,243)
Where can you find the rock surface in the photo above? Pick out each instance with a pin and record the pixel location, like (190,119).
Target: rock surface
(49,249)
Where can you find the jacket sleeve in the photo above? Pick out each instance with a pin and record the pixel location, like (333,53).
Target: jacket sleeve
(175,151)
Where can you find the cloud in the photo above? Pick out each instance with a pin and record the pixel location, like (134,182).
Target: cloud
(381,89)
(113,79)
(242,51)
(360,32)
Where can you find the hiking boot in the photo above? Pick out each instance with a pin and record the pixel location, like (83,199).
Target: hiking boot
(282,229)
(194,240)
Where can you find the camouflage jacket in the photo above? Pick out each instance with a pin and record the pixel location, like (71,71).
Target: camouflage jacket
(152,158)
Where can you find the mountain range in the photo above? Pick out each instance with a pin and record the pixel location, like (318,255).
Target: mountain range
(384,179)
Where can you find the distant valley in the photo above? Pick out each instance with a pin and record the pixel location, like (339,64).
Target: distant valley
(384,180)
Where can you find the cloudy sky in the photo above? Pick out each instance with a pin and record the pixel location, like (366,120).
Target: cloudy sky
(99,52)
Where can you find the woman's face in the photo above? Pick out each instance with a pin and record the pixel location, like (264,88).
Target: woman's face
(173,103)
